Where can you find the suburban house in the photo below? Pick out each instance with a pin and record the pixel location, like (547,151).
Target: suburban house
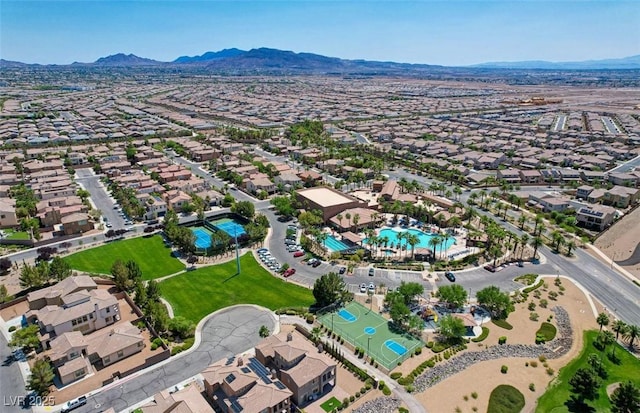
(8,218)
(73,353)
(187,400)
(307,372)
(596,216)
(73,304)
(550,203)
(621,196)
(583,191)
(509,175)
(156,207)
(234,387)
(530,176)
(76,223)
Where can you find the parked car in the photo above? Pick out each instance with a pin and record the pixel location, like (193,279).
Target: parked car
(289,272)
(342,270)
(490,268)
(261,250)
(371,272)
(316,263)
(298,254)
(363,288)
(108,225)
(372,287)
(74,404)
(312,261)
(449,275)
(289,241)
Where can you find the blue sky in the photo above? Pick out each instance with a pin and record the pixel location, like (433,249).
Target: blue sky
(448,32)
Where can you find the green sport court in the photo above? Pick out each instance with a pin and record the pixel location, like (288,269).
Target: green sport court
(370,331)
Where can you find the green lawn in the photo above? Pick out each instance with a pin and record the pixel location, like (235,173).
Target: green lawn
(554,399)
(505,399)
(17,235)
(153,257)
(547,330)
(195,294)
(330,405)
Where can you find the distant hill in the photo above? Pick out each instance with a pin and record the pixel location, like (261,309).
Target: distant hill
(122,59)
(210,56)
(11,63)
(631,62)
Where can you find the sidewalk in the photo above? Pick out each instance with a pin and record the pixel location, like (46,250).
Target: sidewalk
(608,260)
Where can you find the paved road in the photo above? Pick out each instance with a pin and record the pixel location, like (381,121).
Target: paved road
(629,166)
(100,197)
(229,332)
(11,382)
(560,123)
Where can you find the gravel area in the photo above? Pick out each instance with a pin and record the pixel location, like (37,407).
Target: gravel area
(379,405)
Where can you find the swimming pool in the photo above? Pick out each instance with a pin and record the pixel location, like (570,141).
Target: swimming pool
(335,245)
(230,226)
(423,238)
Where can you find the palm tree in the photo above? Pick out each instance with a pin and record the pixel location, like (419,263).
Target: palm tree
(522,220)
(400,236)
(606,338)
(620,327)
(412,240)
(570,247)
(316,332)
(602,320)
(536,242)
(524,239)
(433,243)
(348,216)
(339,217)
(356,219)
(537,221)
(321,237)
(473,197)
(632,333)
(558,239)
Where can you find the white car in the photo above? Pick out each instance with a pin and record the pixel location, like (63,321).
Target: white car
(372,287)
(363,288)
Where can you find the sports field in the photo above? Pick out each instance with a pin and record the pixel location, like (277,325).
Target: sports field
(370,331)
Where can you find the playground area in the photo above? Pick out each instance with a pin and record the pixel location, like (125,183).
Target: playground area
(370,331)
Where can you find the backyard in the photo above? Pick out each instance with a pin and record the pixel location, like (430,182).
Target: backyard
(556,398)
(151,254)
(197,293)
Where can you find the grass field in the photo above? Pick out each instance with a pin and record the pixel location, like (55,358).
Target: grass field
(330,405)
(17,235)
(197,293)
(505,399)
(379,341)
(555,398)
(153,257)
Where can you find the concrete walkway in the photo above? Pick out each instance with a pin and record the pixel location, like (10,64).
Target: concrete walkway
(412,403)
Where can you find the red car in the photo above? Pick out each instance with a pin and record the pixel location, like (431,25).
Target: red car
(298,254)
(289,272)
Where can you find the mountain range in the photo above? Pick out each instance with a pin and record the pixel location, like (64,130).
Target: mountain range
(265,60)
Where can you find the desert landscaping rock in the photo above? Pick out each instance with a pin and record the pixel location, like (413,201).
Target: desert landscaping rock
(379,405)
(553,349)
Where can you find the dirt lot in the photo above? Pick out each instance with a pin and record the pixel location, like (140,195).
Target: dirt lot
(484,377)
(621,241)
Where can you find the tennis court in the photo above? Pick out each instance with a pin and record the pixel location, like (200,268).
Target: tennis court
(370,331)
(229,226)
(203,237)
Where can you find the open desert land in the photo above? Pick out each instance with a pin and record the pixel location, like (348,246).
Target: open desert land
(483,377)
(621,242)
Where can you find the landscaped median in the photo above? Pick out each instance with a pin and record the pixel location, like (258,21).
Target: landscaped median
(198,293)
(151,254)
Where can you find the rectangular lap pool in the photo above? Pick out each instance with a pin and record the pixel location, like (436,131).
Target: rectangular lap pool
(335,245)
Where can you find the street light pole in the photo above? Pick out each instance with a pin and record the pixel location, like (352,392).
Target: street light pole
(332,314)
(369,346)
(235,234)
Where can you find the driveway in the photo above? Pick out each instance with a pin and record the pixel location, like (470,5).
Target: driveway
(11,381)
(226,333)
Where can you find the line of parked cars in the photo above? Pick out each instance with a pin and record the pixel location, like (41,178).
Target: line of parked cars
(269,260)
(371,288)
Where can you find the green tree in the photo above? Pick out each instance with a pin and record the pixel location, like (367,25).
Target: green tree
(60,269)
(182,327)
(632,333)
(330,289)
(153,291)
(399,312)
(31,276)
(452,328)
(497,302)
(158,316)
(120,275)
(228,200)
(602,320)
(455,294)
(409,291)
(585,383)
(244,208)
(626,398)
(41,377)
(140,297)
(316,333)
(283,205)
(619,327)
(264,331)
(4,294)
(309,219)
(26,337)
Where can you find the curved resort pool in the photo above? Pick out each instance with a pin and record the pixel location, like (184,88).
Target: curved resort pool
(423,238)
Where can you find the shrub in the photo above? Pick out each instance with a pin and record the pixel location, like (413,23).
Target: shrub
(465,397)
(403,410)
(310,319)
(550,371)
(363,390)
(533,287)
(504,369)
(386,391)
(531,306)
(381,384)
(526,364)
(533,316)
(430,344)
(12,329)
(553,295)
(352,397)
(474,409)
(532,386)
(502,323)
(345,402)
(474,394)
(544,303)
(409,388)
(502,340)
(542,358)
(481,337)
(395,375)
(534,364)
(418,351)
(368,386)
